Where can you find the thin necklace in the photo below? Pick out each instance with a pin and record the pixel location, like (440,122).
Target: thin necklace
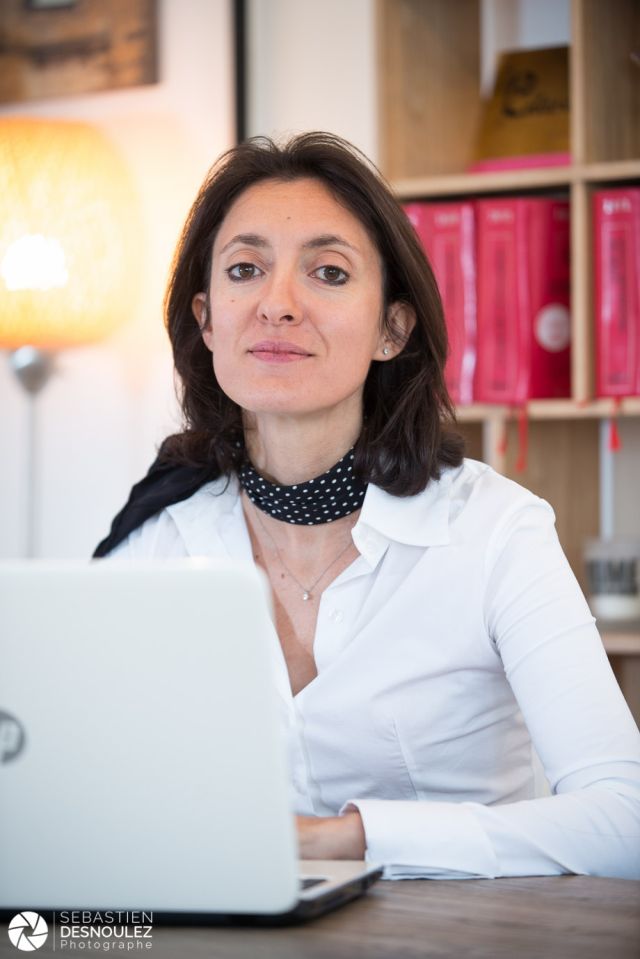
(307,593)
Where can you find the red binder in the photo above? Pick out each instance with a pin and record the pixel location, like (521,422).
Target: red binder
(524,324)
(616,230)
(447,233)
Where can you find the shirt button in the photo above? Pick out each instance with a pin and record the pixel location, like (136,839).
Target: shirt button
(335,616)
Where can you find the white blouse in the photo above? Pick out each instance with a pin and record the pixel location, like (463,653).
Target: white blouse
(455,640)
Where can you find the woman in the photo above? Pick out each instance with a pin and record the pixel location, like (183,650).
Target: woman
(430,626)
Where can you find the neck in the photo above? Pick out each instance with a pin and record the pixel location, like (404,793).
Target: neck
(302,544)
(288,450)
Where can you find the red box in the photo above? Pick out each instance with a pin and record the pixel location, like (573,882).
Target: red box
(616,231)
(524,285)
(447,233)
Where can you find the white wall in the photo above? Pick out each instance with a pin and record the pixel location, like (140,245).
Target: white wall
(105,410)
(313,67)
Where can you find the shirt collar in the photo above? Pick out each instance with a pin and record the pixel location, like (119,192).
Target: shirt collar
(201,518)
(420,520)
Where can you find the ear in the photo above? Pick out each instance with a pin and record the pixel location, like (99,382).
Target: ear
(201,313)
(400,321)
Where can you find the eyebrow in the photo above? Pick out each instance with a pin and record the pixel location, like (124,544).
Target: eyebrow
(328,239)
(317,242)
(247,239)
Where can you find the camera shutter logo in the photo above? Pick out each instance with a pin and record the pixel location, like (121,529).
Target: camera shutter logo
(12,737)
(28,931)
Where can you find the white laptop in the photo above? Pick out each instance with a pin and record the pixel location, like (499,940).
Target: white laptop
(142,759)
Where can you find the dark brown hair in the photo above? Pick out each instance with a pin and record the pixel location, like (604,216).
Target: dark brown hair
(406,436)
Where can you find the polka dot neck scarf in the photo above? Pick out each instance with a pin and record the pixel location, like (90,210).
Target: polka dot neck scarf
(322,499)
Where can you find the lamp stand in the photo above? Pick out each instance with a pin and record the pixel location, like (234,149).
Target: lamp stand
(32,367)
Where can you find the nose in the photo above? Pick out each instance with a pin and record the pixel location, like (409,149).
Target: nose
(278,302)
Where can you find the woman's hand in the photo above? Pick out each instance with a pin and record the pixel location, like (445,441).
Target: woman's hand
(331,837)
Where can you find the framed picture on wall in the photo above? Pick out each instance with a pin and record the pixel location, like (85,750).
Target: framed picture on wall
(56,48)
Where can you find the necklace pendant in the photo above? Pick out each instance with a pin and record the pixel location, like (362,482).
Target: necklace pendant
(306,595)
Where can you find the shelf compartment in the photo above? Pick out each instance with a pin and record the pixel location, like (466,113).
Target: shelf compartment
(606,79)
(429,86)
(561,453)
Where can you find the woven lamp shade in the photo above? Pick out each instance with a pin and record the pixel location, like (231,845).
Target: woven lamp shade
(68,231)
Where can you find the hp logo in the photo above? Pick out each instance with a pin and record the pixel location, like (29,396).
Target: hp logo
(12,737)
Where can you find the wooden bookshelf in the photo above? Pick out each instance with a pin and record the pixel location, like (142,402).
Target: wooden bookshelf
(429,107)
(549,179)
(466,184)
(614,172)
(554,410)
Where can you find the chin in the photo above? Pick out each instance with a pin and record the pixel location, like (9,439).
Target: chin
(271,397)
(295,397)
(280,406)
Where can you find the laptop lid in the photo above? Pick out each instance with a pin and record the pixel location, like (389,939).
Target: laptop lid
(142,764)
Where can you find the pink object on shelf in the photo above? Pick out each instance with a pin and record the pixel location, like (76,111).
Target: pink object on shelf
(524,326)
(447,233)
(616,232)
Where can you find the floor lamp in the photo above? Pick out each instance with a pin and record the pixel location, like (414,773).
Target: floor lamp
(67,254)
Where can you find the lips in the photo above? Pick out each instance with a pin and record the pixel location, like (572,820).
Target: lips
(278,351)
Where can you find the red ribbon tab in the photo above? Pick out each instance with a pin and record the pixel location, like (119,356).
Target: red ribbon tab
(615,443)
(523,440)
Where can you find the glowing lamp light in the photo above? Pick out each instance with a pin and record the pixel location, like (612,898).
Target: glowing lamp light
(68,242)
(67,235)
(34,263)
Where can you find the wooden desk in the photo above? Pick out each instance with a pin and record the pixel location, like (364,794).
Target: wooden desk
(568,917)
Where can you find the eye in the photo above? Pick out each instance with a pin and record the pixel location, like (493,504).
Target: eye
(243,271)
(333,275)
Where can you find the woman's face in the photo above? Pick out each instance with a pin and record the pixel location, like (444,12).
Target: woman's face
(294,313)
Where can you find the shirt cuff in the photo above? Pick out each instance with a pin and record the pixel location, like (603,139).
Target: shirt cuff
(421,839)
